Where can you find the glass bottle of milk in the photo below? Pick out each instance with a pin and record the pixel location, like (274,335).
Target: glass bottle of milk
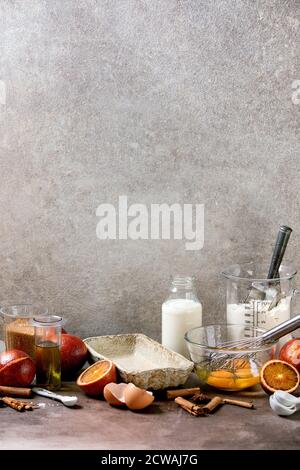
(181,311)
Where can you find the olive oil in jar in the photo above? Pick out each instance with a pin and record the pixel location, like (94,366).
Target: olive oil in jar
(48,368)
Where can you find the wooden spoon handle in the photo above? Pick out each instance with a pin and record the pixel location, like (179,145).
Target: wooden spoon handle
(15,391)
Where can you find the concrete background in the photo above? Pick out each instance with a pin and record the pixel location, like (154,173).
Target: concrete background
(163,101)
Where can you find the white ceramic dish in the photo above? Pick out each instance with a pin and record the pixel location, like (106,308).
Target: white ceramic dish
(141,360)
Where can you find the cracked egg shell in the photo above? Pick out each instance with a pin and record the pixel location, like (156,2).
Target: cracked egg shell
(136,398)
(114,393)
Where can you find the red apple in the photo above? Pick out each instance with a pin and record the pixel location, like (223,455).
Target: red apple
(73,354)
(290,353)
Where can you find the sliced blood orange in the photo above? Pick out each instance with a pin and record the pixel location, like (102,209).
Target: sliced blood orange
(279,375)
(93,380)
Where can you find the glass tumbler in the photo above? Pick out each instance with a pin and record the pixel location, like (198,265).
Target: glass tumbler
(47,351)
(18,332)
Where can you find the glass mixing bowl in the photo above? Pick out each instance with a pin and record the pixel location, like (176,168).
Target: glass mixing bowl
(227,369)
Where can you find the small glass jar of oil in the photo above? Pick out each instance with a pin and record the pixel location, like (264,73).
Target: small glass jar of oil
(47,351)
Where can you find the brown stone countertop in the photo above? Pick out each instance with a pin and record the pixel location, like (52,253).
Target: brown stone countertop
(96,425)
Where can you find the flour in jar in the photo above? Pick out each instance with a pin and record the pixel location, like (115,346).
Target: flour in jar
(256,313)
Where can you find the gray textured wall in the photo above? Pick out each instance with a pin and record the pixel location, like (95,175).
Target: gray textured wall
(161,100)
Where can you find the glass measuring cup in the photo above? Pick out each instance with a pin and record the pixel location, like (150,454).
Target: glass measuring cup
(255,301)
(18,331)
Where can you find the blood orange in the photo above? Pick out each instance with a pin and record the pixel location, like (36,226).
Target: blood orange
(279,375)
(19,372)
(290,353)
(73,354)
(93,379)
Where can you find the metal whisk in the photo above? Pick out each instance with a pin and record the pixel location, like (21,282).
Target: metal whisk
(245,349)
(269,336)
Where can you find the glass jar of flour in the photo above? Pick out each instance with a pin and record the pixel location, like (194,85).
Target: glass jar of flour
(254,300)
(181,311)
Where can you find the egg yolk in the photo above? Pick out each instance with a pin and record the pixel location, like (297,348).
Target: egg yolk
(240,379)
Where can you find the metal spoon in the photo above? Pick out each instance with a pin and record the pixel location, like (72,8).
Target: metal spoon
(66,400)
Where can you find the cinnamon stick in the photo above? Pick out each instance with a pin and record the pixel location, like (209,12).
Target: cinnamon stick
(15,391)
(15,404)
(183,392)
(244,404)
(190,407)
(28,406)
(213,404)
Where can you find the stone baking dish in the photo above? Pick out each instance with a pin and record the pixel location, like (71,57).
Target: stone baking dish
(141,360)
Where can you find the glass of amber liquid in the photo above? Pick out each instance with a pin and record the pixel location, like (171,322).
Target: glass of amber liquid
(47,334)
